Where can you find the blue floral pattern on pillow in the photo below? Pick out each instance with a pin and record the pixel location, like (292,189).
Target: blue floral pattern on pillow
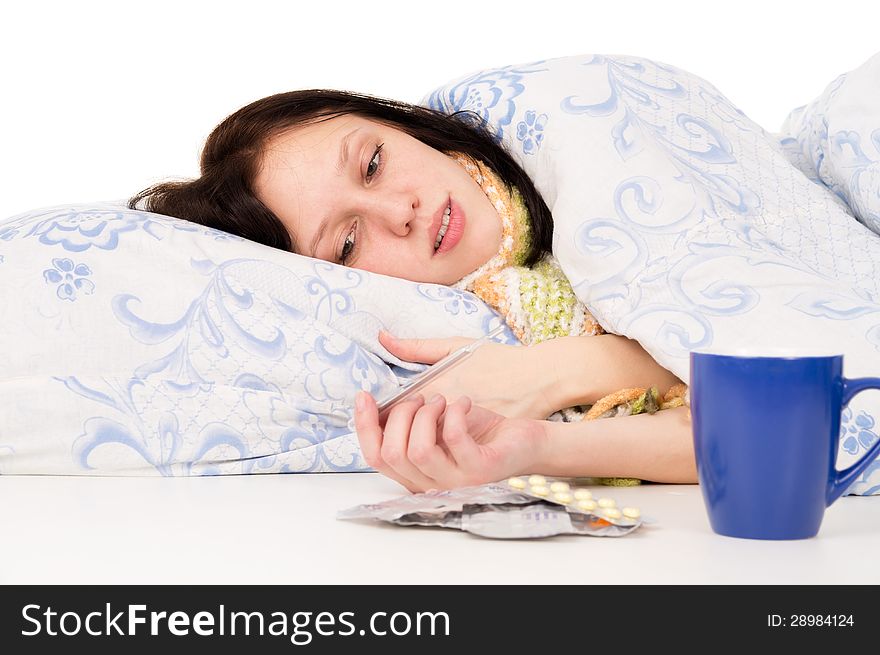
(154,346)
(835,140)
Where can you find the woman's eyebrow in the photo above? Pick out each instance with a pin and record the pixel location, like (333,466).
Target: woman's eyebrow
(318,235)
(340,169)
(343,151)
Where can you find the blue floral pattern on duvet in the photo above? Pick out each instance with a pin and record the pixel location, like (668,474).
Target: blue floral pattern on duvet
(705,230)
(487,93)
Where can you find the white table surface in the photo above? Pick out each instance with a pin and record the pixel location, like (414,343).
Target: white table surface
(281,529)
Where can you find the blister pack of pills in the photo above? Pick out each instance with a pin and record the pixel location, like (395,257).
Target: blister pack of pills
(576,499)
(518,508)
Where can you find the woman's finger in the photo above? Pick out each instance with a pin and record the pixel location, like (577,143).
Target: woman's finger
(457,438)
(395,441)
(424,451)
(427,351)
(369,434)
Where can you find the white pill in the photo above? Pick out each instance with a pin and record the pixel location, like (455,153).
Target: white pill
(586,503)
(606,502)
(537,479)
(562,497)
(540,490)
(583,494)
(517,483)
(631,512)
(612,512)
(557,487)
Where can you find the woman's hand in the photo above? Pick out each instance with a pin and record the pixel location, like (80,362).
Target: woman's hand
(438,446)
(515,381)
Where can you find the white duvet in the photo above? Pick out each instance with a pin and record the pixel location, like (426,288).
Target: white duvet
(683,224)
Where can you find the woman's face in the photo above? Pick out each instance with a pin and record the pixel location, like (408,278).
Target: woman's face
(382,210)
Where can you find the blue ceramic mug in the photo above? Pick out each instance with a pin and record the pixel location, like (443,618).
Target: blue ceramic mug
(766,432)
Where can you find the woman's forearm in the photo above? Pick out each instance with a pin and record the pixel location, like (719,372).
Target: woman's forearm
(590,367)
(657,447)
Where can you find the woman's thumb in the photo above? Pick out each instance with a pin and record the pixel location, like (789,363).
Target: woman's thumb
(425,351)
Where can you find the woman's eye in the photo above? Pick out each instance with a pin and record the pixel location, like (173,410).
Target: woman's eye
(347,247)
(378,166)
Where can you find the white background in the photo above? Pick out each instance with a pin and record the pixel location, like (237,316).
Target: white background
(101,99)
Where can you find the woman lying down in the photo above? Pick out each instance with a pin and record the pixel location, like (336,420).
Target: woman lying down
(414,193)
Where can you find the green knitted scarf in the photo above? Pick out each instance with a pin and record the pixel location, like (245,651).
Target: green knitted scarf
(537,303)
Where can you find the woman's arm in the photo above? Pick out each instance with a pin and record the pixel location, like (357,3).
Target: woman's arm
(657,447)
(535,381)
(432,445)
(516,381)
(590,367)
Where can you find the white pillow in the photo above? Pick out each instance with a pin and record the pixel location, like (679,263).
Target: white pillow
(838,136)
(136,343)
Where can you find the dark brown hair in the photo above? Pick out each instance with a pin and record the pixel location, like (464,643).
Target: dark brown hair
(223,197)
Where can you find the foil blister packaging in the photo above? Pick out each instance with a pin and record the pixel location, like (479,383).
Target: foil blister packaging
(498,510)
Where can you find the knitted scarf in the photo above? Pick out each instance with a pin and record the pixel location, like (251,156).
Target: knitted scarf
(538,303)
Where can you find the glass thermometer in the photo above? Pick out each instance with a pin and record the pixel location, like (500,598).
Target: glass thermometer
(437,369)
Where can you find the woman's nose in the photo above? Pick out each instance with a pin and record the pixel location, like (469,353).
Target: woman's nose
(397,214)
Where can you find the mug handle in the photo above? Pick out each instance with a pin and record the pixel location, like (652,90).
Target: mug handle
(839,481)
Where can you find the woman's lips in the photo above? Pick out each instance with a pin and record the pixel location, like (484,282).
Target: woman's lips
(455,229)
